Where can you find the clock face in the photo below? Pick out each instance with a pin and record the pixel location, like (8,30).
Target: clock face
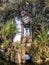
(25,19)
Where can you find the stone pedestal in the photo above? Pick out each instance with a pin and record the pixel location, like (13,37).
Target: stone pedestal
(23,40)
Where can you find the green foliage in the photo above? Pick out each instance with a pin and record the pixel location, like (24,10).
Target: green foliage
(7,32)
(39,19)
(1,26)
(6,42)
(9,28)
(42,37)
(38,22)
(40,50)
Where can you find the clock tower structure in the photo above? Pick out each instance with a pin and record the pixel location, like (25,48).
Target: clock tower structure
(26,26)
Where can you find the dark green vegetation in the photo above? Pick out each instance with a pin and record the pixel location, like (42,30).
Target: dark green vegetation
(40,45)
(7,31)
(8,8)
(40,27)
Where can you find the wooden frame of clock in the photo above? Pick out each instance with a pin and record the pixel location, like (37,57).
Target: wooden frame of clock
(27,25)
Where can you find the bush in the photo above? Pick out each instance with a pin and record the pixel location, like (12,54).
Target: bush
(40,50)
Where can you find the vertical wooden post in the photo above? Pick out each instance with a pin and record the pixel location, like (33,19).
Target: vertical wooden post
(22,33)
(22,30)
(31,30)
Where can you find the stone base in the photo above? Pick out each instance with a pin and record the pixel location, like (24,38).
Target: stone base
(23,40)
(26,39)
(30,39)
(28,44)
